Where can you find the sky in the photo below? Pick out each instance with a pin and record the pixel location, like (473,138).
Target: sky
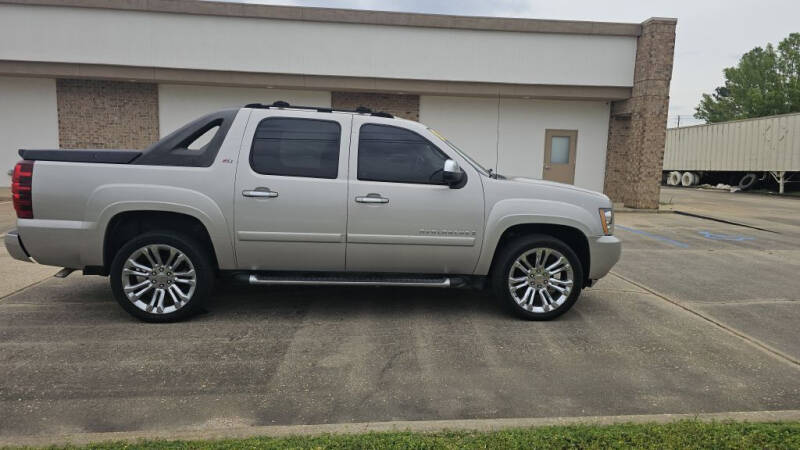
(711,34)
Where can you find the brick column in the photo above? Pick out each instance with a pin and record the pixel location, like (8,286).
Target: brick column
(400,105)
(638,125)
(106,114)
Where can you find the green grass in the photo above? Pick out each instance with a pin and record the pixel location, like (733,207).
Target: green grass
(684,434)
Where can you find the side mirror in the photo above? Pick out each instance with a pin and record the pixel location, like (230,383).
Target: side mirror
(452,174)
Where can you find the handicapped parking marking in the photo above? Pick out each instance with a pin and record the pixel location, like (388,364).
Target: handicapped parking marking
(655,236)
(725,237)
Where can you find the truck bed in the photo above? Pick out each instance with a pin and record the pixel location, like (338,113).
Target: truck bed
(84,156)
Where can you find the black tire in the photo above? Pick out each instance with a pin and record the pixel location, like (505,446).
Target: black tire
(198,256)
(748,181)
(513,250)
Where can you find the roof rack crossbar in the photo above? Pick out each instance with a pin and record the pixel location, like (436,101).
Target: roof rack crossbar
(280,104)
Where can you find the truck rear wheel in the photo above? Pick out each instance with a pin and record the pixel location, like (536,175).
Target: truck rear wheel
(162,276)
(538,277)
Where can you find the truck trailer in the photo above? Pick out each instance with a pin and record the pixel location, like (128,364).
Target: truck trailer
(740,153)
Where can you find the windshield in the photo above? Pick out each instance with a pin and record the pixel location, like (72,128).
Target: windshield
(472,162)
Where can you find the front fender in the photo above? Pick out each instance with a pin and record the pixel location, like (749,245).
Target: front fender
(508,213)
(107,201)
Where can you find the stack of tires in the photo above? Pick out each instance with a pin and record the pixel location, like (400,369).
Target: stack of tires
(690,179)
(676,178)
(741,180)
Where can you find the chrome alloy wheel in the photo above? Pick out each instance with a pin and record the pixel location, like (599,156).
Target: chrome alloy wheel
(540,280)
(158,279)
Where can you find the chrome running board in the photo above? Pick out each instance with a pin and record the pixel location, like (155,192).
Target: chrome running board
(322,280)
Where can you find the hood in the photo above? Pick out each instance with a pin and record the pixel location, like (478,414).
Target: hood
(556,185)
(498,189)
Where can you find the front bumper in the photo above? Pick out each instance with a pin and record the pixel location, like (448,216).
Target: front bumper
(605,252)
(15,248)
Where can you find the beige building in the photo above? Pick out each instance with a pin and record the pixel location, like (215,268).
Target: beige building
(578,102)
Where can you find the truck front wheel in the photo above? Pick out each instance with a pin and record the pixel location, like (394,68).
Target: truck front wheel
(538,277)
(162,276)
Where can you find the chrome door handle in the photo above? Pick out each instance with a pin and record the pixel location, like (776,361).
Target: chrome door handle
(260,192)
(372,198)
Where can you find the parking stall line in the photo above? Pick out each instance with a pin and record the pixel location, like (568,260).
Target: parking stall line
(657,237)
(725,237)
(35,283)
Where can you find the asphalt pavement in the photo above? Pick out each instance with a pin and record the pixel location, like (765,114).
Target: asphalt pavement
(698,317)
(8,218)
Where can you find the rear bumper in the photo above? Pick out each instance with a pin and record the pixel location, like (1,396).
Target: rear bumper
(605,252)
(15,248)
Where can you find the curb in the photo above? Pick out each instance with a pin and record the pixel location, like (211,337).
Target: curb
(642,211)
(422,426)
(725,221)
(621,208)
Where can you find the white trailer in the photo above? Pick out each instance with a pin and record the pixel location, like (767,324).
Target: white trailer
(739,152)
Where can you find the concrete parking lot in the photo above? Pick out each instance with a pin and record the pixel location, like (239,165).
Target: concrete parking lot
(699,316)
(768,211)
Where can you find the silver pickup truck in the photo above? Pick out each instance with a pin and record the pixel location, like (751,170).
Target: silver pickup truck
(280,194)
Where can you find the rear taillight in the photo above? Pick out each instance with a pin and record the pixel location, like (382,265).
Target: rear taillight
(21,184)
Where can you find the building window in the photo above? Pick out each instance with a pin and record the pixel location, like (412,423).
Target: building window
(397,155)
(296,148)
(559,149)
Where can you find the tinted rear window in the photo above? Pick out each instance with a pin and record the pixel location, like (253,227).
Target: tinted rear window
(296,148)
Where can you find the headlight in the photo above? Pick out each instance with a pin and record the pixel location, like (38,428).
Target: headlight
(607,220)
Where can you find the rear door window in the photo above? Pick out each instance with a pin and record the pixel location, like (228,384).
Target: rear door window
(295,147)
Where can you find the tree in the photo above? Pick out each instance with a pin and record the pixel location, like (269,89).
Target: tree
(765,82)
(789,49)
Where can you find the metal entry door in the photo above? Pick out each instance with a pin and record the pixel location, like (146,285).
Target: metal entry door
(559,155)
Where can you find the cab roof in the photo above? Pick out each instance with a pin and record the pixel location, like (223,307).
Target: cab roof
(280,104)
